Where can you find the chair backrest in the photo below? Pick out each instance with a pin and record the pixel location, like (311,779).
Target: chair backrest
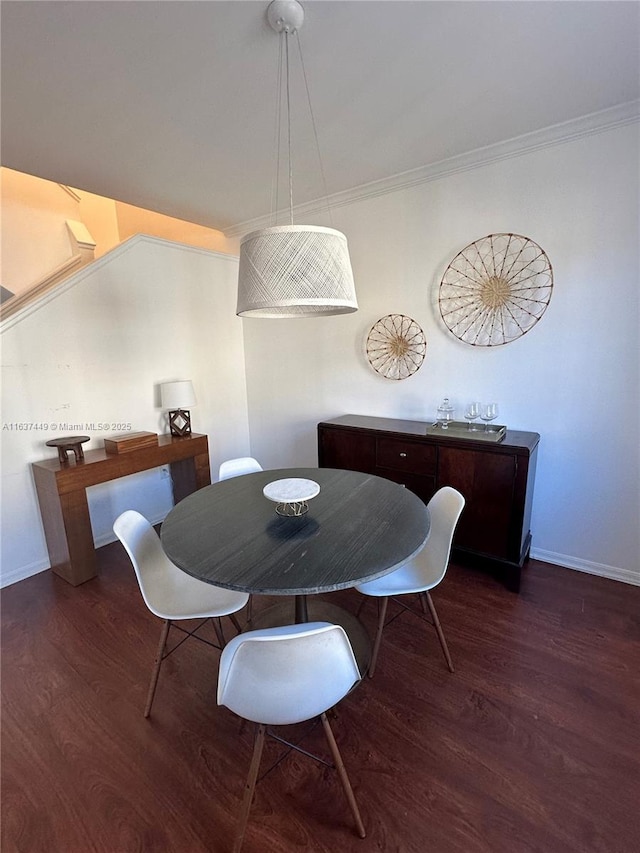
(157,575)
(236,467)
(278,676)
(445,508)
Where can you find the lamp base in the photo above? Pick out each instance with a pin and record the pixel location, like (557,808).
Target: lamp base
(180,422)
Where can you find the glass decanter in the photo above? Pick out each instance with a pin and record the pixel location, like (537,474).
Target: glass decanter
(445,413)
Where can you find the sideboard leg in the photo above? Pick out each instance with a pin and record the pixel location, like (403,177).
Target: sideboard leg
(512,578)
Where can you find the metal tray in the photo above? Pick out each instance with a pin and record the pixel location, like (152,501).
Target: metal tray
(460,429)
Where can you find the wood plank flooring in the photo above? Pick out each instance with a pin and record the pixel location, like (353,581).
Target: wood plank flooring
(532,746)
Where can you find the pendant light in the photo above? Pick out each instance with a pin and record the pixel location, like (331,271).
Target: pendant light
(293,270)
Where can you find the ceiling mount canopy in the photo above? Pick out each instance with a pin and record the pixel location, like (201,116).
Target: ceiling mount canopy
(292,270)
(285,15)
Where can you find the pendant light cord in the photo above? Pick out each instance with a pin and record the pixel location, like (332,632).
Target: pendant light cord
(286,42)
(284,72)
(277,133)
(315,131)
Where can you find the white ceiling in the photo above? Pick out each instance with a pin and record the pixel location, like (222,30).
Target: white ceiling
(171,105)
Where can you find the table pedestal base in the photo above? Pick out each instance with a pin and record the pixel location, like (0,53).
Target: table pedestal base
(319,611)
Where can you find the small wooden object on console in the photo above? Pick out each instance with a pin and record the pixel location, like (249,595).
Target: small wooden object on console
(69,444)
(129,441)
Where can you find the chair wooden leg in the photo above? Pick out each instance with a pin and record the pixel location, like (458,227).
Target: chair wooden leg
(250,787)
(164,633)
(250,609)
(234,621)
(438,628)
(362,603)
(337,760)
(217,625)
(382,612)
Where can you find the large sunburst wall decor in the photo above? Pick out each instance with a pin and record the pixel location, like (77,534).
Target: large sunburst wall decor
(495,290)
(396,346)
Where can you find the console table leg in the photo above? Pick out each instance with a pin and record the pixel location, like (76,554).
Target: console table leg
(183,479)
(202,469)
(67,529)
(189,475)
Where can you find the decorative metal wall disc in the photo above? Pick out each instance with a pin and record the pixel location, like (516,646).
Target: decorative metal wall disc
(396,346)
(495,290)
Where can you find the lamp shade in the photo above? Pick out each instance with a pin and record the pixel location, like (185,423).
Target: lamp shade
(295,271)
(177,395)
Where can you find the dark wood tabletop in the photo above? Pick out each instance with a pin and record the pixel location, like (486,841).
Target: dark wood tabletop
(359,527)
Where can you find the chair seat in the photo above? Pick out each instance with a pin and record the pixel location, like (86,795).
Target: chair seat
(190,598)
(411,577)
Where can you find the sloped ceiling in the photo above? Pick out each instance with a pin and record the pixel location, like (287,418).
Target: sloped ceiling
(171,105)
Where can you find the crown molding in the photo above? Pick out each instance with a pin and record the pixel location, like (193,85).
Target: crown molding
(567,131)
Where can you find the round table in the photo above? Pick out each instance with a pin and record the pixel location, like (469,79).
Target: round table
(357,528)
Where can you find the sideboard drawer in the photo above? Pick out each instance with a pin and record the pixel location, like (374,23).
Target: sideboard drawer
(402,455)
(422,485)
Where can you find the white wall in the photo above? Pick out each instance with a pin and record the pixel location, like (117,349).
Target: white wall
(574,378)
(149,311)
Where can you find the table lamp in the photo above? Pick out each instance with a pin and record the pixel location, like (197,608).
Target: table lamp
(177,397)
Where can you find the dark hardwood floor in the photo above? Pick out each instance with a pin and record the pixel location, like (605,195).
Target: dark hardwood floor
(532,745)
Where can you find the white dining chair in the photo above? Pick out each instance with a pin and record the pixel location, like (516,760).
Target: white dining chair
(237,467)
(422,573)
(285,675)
(170,593)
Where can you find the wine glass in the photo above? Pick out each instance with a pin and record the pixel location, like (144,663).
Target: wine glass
(488,412)
(471,413)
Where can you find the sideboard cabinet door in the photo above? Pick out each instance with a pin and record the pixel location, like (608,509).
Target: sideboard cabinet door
(352,450)
(487,481)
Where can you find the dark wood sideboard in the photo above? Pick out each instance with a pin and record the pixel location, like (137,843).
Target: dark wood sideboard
(62,495)
(496,479)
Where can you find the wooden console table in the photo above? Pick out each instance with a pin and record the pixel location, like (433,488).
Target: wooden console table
(62,494)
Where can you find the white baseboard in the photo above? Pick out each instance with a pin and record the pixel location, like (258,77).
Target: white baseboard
(587,566)
(23,572)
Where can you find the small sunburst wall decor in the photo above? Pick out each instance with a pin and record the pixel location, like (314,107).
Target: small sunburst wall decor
(495,290)
(396,346)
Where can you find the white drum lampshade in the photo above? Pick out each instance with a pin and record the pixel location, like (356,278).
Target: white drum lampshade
(295,271)
(177,398)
